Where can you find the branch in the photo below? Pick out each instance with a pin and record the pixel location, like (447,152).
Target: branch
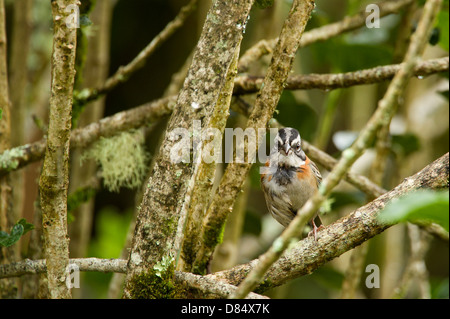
(247,84)
(206,285)
(346,233)
(383,114)
(324,33)
(124,72)
(54,179)
(27,266)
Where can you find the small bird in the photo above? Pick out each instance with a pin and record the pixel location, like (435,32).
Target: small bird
(289,178)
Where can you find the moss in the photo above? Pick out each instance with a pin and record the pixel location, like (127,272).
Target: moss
(264,286)
(148,285)
(156,285)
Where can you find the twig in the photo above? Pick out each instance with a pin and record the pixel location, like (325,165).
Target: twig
(383,114)
(54,179)
(124,72)
(346,233)
(324,33)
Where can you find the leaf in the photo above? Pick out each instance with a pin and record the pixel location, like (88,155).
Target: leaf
(7,240)
(26,226)
(19,229)
(421,205)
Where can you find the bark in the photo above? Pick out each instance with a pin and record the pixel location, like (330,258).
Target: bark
(53,182)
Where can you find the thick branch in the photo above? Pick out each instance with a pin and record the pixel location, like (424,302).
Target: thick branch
(341,236)
(54,180)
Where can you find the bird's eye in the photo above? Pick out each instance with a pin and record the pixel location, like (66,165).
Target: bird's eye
(297,146)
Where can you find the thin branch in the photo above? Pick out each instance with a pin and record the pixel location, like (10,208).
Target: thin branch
(213,288)
(346,233)
(324,33)
(209,287)
(247,84)
(124,72)
(385,111)
(27,266)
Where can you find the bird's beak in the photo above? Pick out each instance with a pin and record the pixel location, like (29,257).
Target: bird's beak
(302,155)
(286,148)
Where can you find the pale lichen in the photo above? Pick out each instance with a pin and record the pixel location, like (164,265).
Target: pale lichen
(122,158)
(9,158)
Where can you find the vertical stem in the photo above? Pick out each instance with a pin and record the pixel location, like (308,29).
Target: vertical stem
(54,181)
(8,288)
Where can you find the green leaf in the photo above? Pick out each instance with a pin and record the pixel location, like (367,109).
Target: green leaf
(421,205)
(7,240)
(19,229)
(1,113)
(26,226)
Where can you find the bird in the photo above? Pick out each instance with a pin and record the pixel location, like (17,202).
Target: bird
(289,178)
